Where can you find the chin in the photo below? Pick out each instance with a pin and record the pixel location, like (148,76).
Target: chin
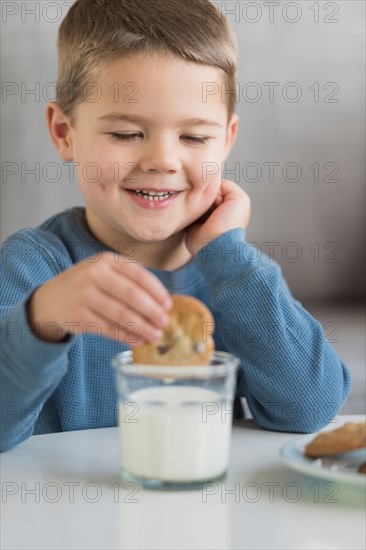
(153,233)
(151,236)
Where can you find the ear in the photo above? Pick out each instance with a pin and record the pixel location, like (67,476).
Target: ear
(60,130)
(231,133)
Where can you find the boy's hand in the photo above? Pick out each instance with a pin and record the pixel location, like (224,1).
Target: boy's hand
(230,209)
(111,297)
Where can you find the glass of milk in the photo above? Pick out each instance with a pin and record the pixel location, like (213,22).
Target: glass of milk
(175,422)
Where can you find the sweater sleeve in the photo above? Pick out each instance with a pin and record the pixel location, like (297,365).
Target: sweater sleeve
(30,368)
(291,377)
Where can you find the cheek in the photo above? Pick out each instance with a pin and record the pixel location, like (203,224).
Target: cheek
(116,168)
(210,193)
(209,167)
(208,180)
(96,168)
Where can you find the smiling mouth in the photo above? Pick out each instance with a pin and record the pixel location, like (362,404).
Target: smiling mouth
(153,195)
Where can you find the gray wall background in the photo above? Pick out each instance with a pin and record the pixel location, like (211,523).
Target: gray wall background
(302,106)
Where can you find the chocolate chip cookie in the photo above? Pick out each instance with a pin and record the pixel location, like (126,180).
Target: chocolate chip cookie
(187,339)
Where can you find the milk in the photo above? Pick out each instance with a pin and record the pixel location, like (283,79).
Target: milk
(175,433)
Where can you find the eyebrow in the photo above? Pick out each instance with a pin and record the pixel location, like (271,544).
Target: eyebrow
(119,117)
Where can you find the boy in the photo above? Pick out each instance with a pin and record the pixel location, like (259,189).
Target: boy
(88,283)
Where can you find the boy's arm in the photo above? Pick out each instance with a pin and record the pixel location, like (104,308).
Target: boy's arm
(31,369)
(291,377)
(46,298)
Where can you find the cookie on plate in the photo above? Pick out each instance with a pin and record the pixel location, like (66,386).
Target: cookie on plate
(349,437)
(362,468)
(187,339)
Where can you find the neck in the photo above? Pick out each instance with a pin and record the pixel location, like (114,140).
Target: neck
(169,255)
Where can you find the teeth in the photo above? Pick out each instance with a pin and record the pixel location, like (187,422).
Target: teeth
(152,195)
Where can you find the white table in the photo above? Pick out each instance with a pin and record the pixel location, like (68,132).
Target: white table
(63,491)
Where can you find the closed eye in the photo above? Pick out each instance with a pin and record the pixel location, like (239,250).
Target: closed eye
(197,139)
(133,136)
(125,137)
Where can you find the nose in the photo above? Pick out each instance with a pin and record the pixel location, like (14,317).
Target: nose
(161,156)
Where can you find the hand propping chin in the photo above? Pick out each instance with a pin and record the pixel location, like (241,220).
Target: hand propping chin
(231,209)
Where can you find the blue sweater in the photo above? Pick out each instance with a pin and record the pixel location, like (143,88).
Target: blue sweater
(292,379)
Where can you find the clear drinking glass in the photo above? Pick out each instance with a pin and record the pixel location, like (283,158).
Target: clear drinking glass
(175,422)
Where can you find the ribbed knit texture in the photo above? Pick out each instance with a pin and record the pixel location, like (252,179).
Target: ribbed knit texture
(291,377)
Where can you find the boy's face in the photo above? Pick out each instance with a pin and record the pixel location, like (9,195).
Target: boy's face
(141,134)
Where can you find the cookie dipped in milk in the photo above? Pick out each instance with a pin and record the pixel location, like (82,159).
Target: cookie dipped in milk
(175,408)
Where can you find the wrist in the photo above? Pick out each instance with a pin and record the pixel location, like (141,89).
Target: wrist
(227,257)
(214,241)
(196,247)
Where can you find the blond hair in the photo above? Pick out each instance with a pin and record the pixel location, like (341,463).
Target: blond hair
(97,31)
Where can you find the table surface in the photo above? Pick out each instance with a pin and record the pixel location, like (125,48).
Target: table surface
(63,491)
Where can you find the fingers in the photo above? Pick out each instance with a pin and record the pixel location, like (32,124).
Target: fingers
(136,290)
(219,200)
(228,187)
(233,192)
(119,300)
(142,278)
(125,294)
(124,322)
